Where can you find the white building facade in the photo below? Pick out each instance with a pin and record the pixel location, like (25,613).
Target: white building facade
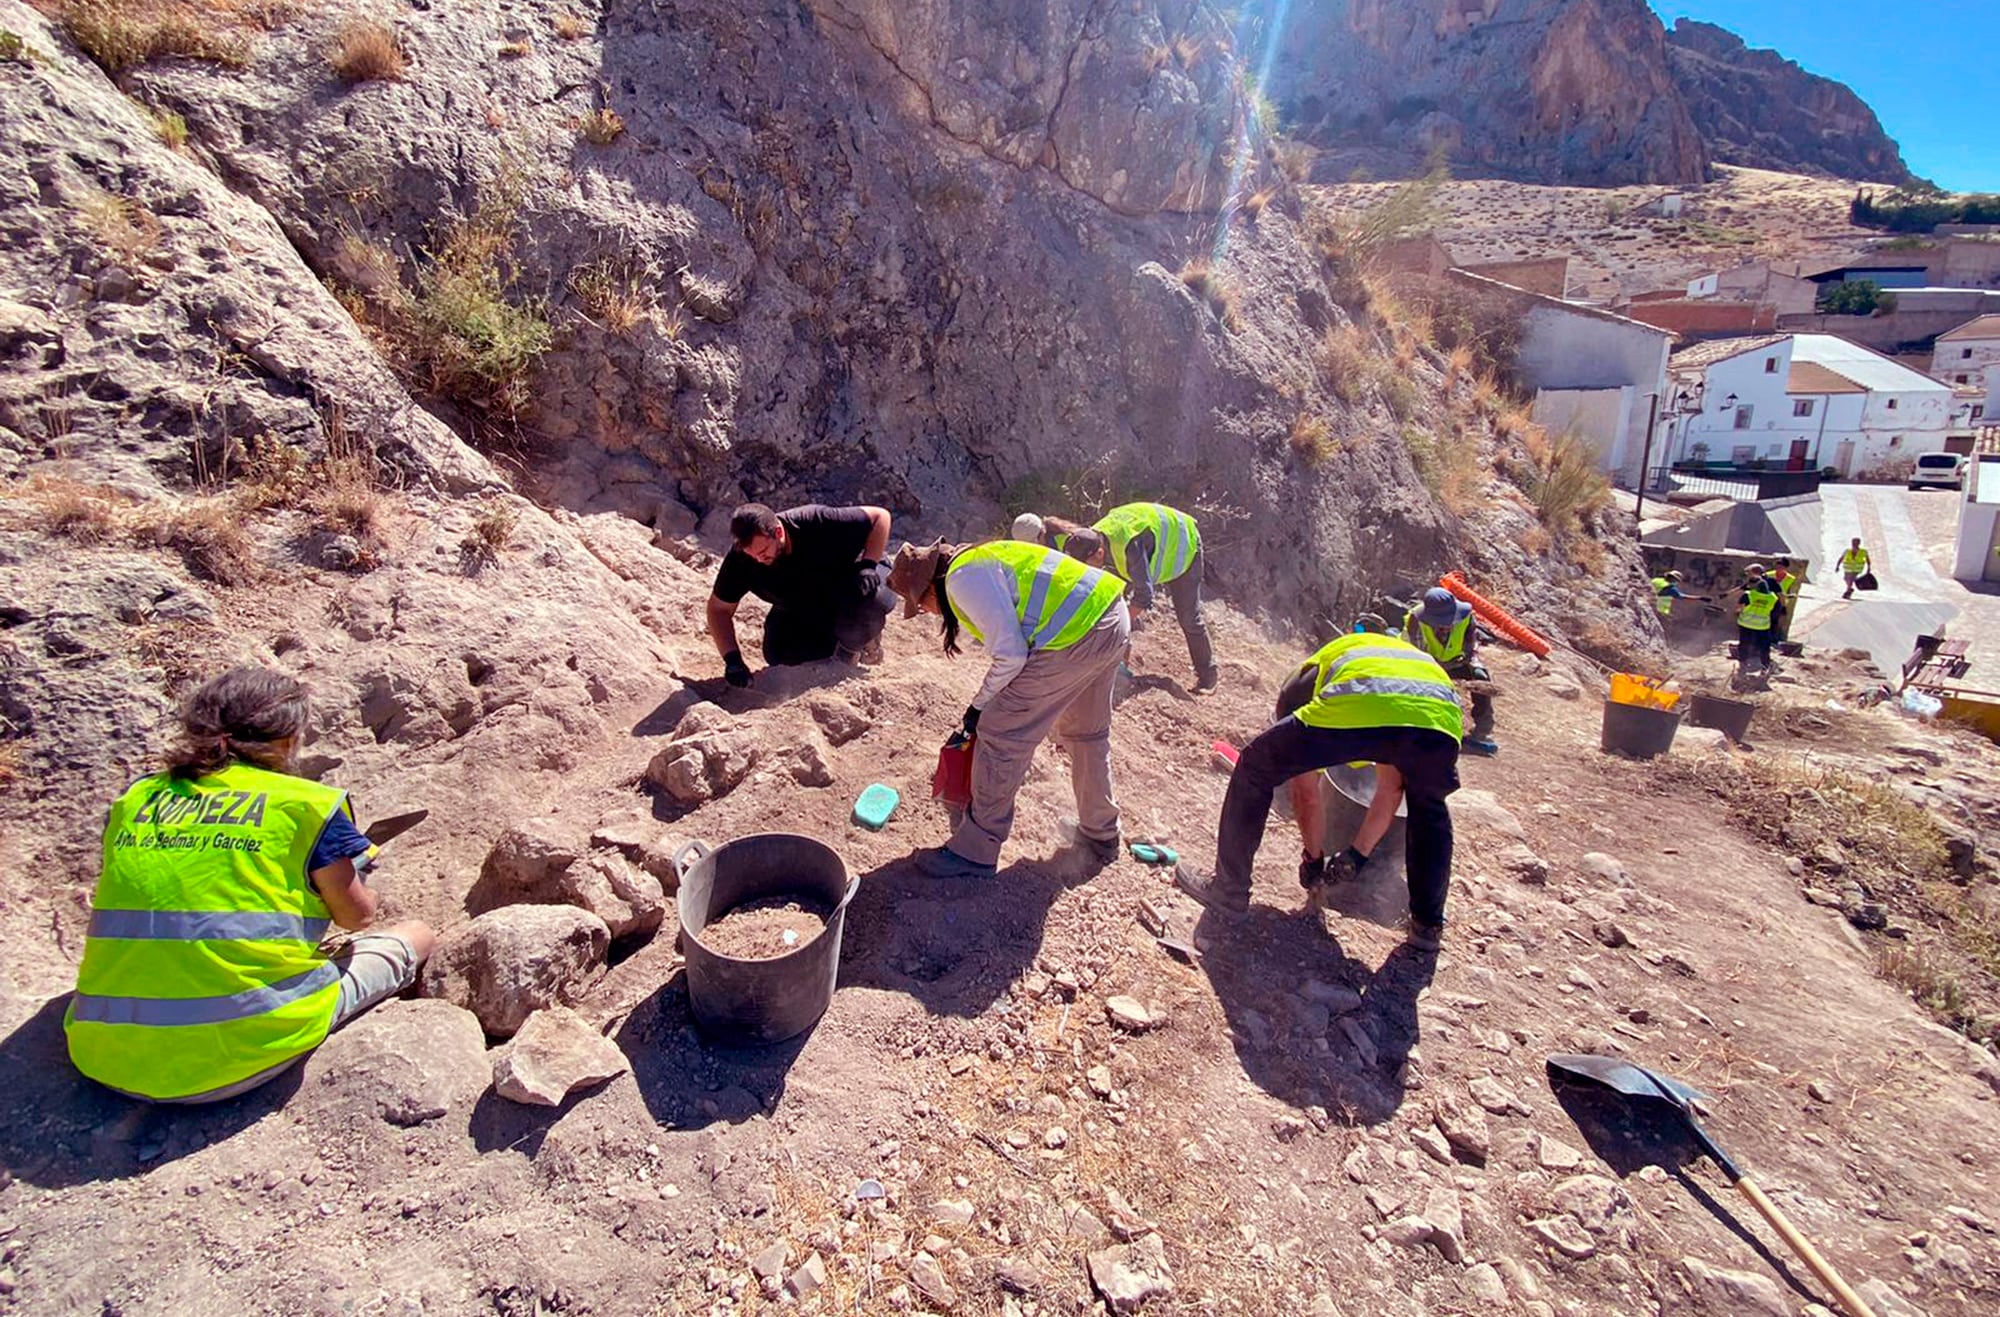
(1962,355)
(1806,402)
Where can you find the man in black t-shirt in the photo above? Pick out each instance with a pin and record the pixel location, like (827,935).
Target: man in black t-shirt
(821,571)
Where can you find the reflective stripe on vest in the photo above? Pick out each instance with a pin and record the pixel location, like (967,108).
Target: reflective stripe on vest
(1446,650)
(1364,680)
(1057,598)
(1756,615)
(1854,561)
(1176,538)
(1663,601)
(202,964)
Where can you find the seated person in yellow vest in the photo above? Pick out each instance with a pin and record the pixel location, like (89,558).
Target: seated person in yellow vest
(1853,565)
(1757,611)
(1057,631)
(1363,697)
(202,975)
(1786,582)
(1148,544)
(1442,627)
(821,571)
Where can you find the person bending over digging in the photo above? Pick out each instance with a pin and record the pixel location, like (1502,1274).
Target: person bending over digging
(1148,545)
(821,571)
(1362,698)
(203,974)
(1057,631)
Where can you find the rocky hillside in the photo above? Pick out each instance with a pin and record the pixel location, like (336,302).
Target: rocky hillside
(1757,108)
(1587,93)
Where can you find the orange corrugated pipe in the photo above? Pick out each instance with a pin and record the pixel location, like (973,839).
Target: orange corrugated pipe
(1495,616)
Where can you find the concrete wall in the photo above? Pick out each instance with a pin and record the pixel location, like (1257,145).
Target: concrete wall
(1565,349)
(1613,421)
(1920,316)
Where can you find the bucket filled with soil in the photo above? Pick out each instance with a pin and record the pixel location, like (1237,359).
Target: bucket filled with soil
(761,918)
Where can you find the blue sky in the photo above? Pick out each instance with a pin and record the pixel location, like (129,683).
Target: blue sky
(1927,69)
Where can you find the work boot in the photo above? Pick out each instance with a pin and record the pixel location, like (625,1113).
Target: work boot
(944,862)
(1202,889)
(1205,683)
(1481,745)
(871,653)
(1104,852)
(842,654)
(1425,937)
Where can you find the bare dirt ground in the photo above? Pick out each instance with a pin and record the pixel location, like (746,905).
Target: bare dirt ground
(1617,247)
(1298,1097)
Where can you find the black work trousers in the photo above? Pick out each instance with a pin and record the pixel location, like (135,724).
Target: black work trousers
(1185,591)
(1753,648)
(807,633)
(1427,758)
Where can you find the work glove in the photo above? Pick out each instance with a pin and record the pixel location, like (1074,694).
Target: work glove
(971,721)
(866,579)
(734,670)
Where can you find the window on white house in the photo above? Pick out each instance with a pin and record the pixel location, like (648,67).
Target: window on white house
(1803,407)
(1895,441)
(1770,365)
(1965,354)
(1978,410)
(1892,404)
(1960,379)
(1743,454)
(1743,414)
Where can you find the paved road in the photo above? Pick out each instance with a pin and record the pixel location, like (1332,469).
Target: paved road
(1912,536)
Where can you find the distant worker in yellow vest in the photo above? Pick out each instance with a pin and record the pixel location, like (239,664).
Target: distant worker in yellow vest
(1148,545)
(1057,631)
(1443,628)
(202,973)
(1854,565)
(1666,589)
(1362,698)
(1757,610)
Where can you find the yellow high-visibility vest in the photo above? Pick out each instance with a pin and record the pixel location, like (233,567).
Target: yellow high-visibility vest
(202,965)
(1175,539)
(1756,615)
(1366,680)
(1057,598)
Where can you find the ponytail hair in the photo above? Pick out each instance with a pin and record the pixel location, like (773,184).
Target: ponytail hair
(244,714)
(947,619)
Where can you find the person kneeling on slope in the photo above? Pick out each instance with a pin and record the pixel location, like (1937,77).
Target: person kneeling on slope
(1443,628)
(202,973)
(1058,631)
(1363,697)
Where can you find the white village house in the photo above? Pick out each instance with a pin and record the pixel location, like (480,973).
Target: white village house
(1962,355)
(1804,402)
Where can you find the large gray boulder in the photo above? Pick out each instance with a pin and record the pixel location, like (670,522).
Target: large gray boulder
(406,1062)
(509,963)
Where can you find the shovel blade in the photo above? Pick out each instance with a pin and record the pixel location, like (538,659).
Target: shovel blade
(1625,1077)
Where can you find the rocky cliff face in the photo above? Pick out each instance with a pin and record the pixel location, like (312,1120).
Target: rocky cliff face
(1558,91)
(1757,108)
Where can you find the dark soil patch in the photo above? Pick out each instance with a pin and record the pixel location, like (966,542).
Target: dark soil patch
(767,929)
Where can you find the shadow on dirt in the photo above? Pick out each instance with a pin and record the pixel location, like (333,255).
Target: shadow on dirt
(955,946)
(688,1079)
(59,1129)
(1258,969)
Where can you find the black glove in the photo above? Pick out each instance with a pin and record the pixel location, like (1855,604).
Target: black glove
(866,579)
(971,723)
(734,670)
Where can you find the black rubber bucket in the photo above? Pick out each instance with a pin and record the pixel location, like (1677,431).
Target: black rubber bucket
(1638,732)
(1347,805)
(1730,717)
(760,1001)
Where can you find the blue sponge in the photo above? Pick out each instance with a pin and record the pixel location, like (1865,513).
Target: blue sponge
(875,806)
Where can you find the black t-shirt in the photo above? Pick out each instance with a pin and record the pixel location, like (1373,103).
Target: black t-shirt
(825,545)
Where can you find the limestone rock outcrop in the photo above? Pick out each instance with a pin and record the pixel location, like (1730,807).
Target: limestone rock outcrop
(1757,108)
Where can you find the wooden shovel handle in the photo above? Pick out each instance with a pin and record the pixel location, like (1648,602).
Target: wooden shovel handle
(1803,1247)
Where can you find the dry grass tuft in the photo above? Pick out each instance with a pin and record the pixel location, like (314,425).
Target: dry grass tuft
(171,129)
(1312,440)
(13,762)
(1351,363)
(601,127)
(210,537)
(1188,49)
(615,293)
(1253,205)
(1214,289)
(1457,365)
(491,529)
(366,51)
(1561,478)
(516,49)
(571,27)
(80,512)
(121,225)
(123,34)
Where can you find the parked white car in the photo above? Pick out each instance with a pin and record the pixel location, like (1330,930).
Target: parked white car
(1939,471)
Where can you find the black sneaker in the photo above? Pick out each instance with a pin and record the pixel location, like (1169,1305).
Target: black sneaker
(1104,852)
(1203,889)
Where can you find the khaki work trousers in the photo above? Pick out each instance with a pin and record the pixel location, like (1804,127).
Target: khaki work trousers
(1067,691)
